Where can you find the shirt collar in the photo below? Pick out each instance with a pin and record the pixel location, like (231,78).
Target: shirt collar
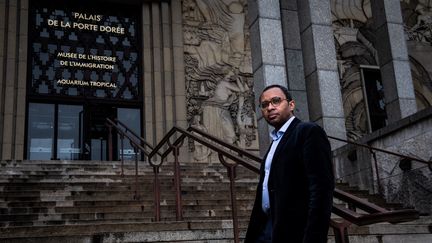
(276,135)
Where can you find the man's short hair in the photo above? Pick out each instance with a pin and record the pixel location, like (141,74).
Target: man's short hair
(283,88)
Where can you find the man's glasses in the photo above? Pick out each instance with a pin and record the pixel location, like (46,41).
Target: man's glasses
(275,101)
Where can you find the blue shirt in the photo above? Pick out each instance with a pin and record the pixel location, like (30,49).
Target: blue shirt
(276,136)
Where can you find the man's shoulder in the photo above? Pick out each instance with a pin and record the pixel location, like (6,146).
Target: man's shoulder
(304,126)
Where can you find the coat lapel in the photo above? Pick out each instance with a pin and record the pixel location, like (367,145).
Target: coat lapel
(285,137)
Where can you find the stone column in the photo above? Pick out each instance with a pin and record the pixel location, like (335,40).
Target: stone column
(268,60)
(178,65)
(320,67)
(393,59)
(294,58)
(13,70)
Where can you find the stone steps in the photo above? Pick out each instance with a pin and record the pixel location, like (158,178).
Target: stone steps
(87,192)
(373,198)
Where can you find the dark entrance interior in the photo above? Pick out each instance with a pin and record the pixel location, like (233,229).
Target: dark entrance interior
(96,132)
(77,132)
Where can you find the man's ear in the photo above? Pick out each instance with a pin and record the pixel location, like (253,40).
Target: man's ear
(291,105)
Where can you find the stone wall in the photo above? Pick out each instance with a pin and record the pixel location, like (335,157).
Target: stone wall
(408,183)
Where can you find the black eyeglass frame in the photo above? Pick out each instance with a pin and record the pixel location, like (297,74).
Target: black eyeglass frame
(275,101)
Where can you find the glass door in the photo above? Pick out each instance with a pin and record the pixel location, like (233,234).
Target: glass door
(96,132)
(40,134)
(132,119)
(69,132)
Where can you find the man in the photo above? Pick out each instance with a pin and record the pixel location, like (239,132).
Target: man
(295,192)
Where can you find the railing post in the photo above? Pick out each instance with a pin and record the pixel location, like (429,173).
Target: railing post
(136,172)
(122,153)
(232,175)
(177,184)
(110,144)
(376,171)
(156,188)
(340,230)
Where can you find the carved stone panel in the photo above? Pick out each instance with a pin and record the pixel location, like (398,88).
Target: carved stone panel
(219,71)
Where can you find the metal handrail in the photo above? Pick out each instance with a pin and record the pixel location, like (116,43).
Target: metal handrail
(138,137)
(429,163)
(372,213)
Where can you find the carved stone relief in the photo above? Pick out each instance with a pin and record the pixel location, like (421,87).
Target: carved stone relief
(354,38)
(219,71)
(417,16)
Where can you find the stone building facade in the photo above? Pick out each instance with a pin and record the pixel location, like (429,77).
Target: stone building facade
(354,67)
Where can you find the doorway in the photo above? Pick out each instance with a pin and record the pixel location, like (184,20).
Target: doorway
(96,133)
(77,132)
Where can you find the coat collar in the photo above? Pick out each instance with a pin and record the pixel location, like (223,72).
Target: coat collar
(285,137)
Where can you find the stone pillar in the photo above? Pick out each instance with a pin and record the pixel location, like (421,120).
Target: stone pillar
(294,58)
(13,70)
(320,67)
(393,59)
(268,60)
(178,65)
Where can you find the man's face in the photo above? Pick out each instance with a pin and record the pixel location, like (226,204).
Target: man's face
(276,115)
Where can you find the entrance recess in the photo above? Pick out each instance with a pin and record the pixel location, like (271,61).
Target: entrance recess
(96,132)
(77,132)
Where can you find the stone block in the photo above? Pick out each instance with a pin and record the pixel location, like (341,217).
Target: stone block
(318,49)
(289,5)
(301,110)
(335,127)
(295,71)
(22,75)
(21,102)
(255,43)
(309,58)
(313,12)
(2,41)
(324,95)
(290,28)
(271,42)
(386,11)
(180,107)
(147,83)
(24,4)
(259,85)
(177,35)
(166,36)
(169,111)
(391,43)
(397,41)
(178,54)
(22,50)
(324,47)
(10,74)
(314,97)
(147,61)
(167,59)
(263,135)
(407,106)
(403,79)
(393,111)
(397,81)
(165,12)
(146,15)
(6,149)
(275,75)
(179,83)
(331,98)
(167,77)
(176,11)
(268,9)
(157,62)
(252,8)
(24,15)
